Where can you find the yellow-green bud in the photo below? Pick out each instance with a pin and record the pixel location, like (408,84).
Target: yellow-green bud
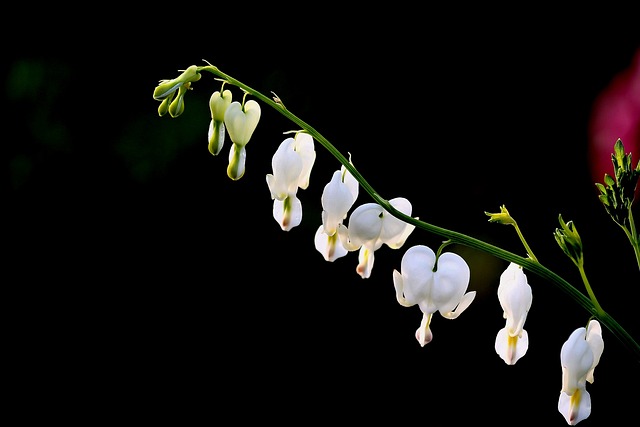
(241,120)
(177,105)
(167,87)
(163,108)
(216,137)
(218,104)
(569,241)
(502,218)
(237,159)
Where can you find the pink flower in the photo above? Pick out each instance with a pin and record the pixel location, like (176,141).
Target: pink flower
(616,114)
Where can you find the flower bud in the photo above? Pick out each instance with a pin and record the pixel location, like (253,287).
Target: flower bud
(237,159)
(569,241)
(177,105)
(501,218)
(163,108)
(218,104)
(241,120)
(168,87)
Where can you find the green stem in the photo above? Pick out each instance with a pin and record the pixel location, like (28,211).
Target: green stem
(616,329)
(633,236)
(587,285)
(524,242)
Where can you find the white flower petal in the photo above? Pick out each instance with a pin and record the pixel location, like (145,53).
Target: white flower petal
(423,333)
(305,148)
(398,284)
(595,341)
(515,296)
(511,348)
(575,408)
(576,358)
(286,165)
(350,181)
(366,257)
(464,303)
(393,228)
(345,239)
(287,212)
(329,246)
(365,224)
(451,280)
(336,199)
(417,274)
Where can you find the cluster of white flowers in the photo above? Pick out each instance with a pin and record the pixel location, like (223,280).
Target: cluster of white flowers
(435,282)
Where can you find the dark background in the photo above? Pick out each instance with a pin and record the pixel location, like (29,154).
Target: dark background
(145,286)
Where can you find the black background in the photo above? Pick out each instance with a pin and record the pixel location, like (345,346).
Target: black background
(146,286)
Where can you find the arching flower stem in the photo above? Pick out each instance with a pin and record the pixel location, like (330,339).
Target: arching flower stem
(455,237)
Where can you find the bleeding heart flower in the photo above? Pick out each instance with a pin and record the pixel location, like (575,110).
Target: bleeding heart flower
(434,284)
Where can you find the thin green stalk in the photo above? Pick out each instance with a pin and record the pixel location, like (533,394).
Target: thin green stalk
(587,285)
(616,329)
(633,236)
(524,242)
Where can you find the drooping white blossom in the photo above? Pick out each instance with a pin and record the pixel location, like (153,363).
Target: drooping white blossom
(579,356)
(515,296)
(291,164)
(434,285)
(370,226)
(338,197)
